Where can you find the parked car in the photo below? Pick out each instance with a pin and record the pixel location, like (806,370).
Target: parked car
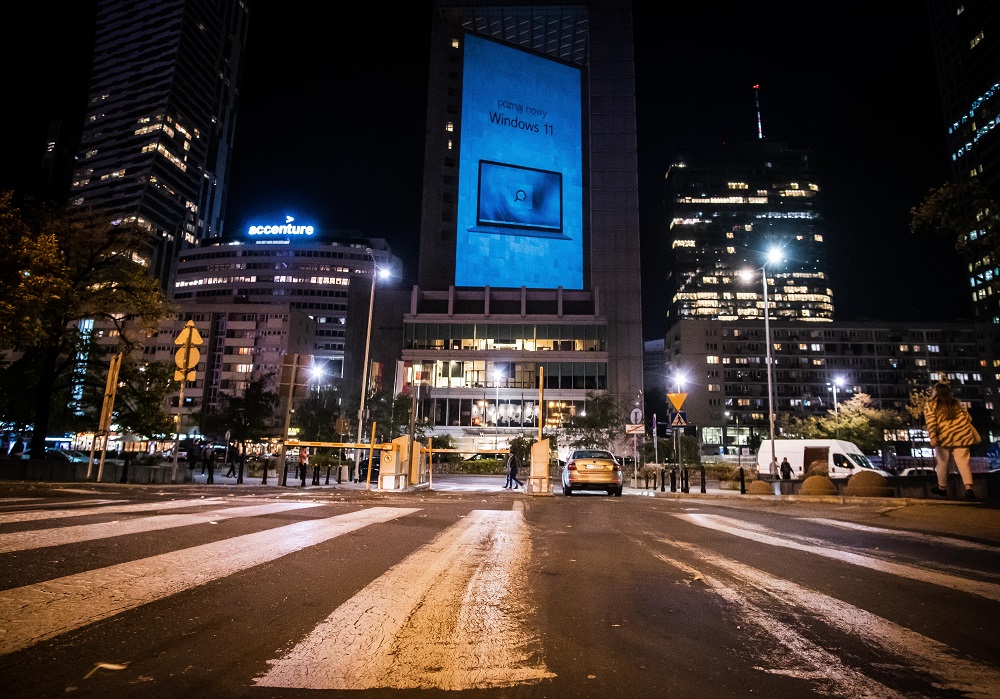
(363,467)
(592,469)
(74,457)
(918,471)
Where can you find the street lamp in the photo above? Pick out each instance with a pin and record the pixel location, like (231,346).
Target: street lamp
(839,381)
(376,271)
(736,441)
(774,256)
(317,373)
(497,377)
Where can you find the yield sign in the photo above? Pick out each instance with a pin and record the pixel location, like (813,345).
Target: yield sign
(677,399)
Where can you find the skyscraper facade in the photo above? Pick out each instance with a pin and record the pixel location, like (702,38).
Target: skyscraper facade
(966,40)
(729,206)
(160,118)
(529,242)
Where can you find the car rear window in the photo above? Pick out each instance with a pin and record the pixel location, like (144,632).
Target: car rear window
(592,454)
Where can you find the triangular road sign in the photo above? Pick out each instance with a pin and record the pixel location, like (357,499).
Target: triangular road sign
(678,420)
(677,399)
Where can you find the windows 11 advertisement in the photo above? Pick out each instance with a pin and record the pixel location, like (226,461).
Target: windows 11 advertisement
(520,208)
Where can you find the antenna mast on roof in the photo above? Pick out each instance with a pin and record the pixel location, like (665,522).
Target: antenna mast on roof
(760,127)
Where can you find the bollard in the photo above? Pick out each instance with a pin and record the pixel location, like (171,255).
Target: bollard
(316,474)
(646,474)
(663,480)
(703,478)
(239,473)
(267,465)
(327,476)
(685,485)
(284,475)
(743,482)
(673,480)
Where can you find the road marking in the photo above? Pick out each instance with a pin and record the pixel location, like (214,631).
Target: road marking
(59,536)
(808,661)
(36,515)
(918,536)
(44,610)
(444,618)
(988,590)
(61,503)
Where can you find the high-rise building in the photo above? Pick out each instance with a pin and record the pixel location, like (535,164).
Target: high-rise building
(728,206)
(160,118)
(529,242)
(966,40)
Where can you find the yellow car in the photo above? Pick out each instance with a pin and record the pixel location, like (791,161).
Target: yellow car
(592,469)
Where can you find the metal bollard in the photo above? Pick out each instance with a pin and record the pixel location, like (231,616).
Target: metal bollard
(743,482)
(327,476)
(685,485)
(703,478)
(646,474)
(673,480)
(284,475)
(316,474)
(663,480)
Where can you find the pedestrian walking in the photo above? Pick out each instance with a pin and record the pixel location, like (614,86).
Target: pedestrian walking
(231,455)
(208,462)
(951,433)
(786,469)
(512,466)
(17,451)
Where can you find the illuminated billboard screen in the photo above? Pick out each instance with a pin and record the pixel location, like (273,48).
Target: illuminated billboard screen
(520,207)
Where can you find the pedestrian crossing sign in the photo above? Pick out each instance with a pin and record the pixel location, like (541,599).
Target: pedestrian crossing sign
(679,419)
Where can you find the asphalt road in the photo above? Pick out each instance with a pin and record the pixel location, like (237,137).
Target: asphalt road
(223,591)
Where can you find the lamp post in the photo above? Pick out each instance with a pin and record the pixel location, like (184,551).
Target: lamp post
(838,381)
(364,372)
(774,256)
(497,376)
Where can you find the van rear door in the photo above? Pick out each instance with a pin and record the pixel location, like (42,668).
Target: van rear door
(811,455)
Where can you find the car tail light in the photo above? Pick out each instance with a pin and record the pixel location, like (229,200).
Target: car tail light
(616,468)
(570,465)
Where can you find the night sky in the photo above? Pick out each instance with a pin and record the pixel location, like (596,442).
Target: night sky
(332,118)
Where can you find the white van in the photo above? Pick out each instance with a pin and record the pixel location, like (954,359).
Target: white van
(842,458)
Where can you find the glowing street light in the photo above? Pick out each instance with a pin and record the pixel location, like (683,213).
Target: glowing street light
(376,271)
(774,256)
(838,381)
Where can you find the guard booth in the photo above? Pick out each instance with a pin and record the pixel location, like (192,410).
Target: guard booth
(538,475)
(402,467)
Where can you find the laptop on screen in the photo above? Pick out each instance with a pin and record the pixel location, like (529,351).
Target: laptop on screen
(516,200)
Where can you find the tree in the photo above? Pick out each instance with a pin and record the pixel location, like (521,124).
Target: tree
(316,416)
(63,270)
(602,427)
(142,391)
(961,212)
(245,415)
(856,420)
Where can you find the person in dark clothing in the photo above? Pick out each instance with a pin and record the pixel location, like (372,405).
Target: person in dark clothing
(786,469)
(17,451)
(512,466)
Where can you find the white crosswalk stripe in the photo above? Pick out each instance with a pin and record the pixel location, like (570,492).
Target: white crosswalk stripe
(440,619)
(60,536)
(38,515)
(36,612)
(752,595)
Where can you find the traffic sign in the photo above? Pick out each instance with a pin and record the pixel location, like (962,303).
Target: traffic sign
(189,332)
(679,419)
(635,429)
(636,416)
(677,399)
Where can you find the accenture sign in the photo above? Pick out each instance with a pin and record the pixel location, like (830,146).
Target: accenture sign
(287,229)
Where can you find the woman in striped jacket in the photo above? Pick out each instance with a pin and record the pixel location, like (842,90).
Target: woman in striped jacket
(951,433)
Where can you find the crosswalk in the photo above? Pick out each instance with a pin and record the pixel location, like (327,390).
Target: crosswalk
(444,615)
